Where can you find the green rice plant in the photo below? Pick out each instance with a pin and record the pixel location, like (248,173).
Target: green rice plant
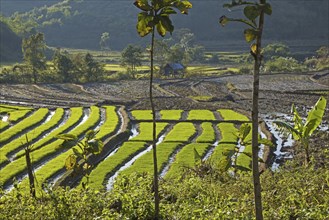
(145,131)
(228,114)
(56,164)
(34,119)
(10,108)
(145,162)
(142,114)
(185,158)
(31,135)
(201,115)
(171,114)
(76,113)
(181,132)
(110,124)
(229,140)
(208,133)
(19,164)
(18,115)
(108,166)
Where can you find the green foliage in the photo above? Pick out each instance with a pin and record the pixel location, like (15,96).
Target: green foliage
(156,15)
(274,50)
(63,66)
(302,131)
(283,64)
(33,53)
(131,56)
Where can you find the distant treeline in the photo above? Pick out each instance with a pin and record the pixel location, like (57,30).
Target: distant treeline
(79,24)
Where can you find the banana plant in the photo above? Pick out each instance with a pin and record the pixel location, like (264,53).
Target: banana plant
(82,149)
(155,15)
(230,159)
(302,130)
(254,13)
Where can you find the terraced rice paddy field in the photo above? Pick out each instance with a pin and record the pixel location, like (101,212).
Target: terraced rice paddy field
(38,113)
(179,132)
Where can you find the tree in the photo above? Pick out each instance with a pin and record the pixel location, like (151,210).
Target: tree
(254,13)
(302,131)
(276,50)
(132,56)
(34,53)
(104,42)
(155,15)
(63,65)
(93,71)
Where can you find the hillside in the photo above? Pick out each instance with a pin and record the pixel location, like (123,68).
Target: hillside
(10,44)
(301,24)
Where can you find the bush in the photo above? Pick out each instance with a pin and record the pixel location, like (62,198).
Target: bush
(283,64)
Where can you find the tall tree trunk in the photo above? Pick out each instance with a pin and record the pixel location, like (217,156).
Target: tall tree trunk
(255,97)
(30,171)
(155,163)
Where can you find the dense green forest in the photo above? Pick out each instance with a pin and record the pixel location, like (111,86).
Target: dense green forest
(79,24)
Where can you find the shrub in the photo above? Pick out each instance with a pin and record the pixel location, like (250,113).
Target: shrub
(283,64)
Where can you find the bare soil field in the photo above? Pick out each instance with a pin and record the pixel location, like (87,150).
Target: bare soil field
(277,93)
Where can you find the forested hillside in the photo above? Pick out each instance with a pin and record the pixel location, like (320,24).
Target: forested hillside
(10,44)
(79,24)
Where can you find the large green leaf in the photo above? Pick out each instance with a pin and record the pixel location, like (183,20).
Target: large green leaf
(95,146)
(71,162)
(314,117)
(251,12)
(166,23)
(287,127)
(143,5)
(182,6)
(244,131)
(167,11)
(268,9)
(143,24)
(250,34)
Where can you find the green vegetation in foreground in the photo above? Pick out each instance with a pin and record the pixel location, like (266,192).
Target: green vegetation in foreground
(40,149)
(108,166)
(186,159)
(142,114)
(34,119)
(201,115)
(285,196)
(181,132)
(145,162)
(171,114)
(31,135)
(208,133)
(57,163)
(144,131)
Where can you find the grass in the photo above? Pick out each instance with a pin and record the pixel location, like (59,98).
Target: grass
(19,165)
(181,132)
(145,162)
(185,158)
(202,98)
(31,135)
(145,131)
(171,114)
(201,115)
(112,163)
(34,119)
(142,114)
(208,133)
